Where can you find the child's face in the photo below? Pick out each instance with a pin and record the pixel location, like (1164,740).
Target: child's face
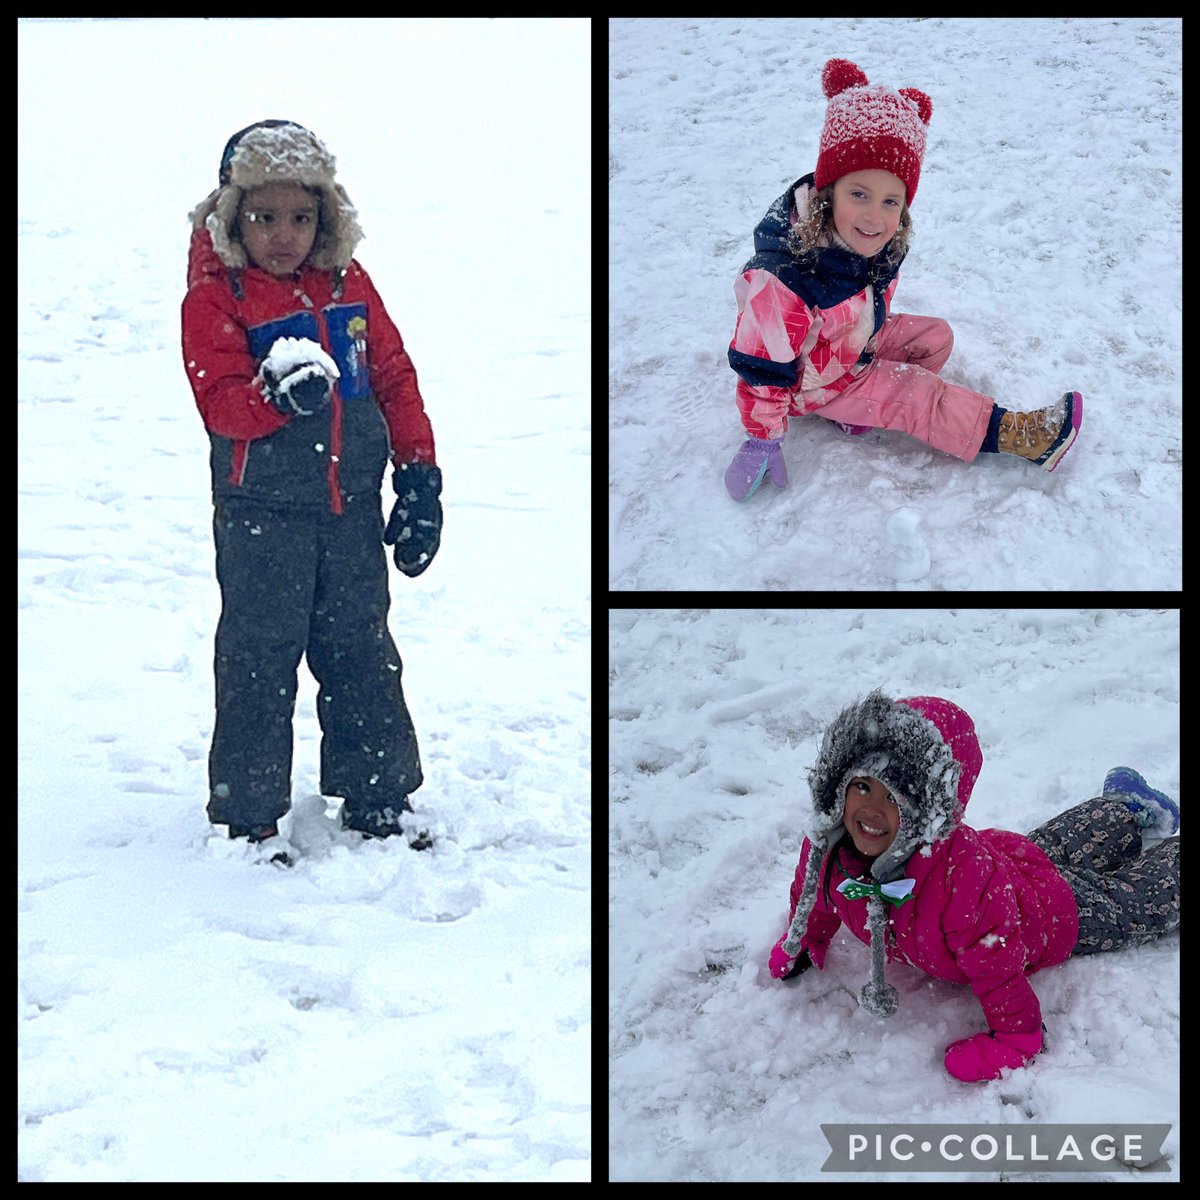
(872,816)
(866,209)
(278,223)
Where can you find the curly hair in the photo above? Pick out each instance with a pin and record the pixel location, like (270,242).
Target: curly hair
(816,220)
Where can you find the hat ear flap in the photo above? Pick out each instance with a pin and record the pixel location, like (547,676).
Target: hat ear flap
(922,101)
(840,74)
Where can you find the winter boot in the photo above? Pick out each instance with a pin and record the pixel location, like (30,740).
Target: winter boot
(262,833)
(387,822)
(1044,435)
(1154,811)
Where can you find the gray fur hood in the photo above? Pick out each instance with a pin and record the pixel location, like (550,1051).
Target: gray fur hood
(902,744)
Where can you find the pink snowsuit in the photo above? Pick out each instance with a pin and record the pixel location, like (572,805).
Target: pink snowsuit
(825,342)
(988,909)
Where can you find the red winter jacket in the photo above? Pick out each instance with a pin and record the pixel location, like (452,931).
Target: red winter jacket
(230,321)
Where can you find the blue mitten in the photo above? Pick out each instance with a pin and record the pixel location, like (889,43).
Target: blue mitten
(755,457)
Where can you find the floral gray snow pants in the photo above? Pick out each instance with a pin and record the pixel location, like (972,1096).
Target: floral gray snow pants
(1126,895)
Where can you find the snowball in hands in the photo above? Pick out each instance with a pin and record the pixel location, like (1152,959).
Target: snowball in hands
(298,376)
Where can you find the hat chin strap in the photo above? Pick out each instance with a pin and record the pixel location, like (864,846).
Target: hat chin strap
(878,997)
(818,848)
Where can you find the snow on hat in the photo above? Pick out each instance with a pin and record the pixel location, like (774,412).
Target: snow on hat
(276,151)
(900,743)
(870,127)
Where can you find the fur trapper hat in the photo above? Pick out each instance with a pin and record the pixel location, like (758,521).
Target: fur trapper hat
(279,152)
(895,742)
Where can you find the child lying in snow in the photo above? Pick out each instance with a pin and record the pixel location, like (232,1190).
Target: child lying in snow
(889,855)
(814,334)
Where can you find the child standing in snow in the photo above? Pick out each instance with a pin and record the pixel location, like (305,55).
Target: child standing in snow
(815,332)
(307,393)
(889,855)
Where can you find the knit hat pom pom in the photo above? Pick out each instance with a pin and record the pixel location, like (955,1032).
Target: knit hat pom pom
(922,101)
(840,74)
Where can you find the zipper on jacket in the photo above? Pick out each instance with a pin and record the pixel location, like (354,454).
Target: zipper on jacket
(335,450)
(332,475)
(237,473)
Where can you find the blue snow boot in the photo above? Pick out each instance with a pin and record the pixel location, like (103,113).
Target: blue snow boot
(1153,811)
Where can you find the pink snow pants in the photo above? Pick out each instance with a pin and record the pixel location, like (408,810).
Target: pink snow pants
(901,390)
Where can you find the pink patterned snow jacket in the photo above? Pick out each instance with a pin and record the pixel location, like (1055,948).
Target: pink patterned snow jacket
(804,331)
(988,908)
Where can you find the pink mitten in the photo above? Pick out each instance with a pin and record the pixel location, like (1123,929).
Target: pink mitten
(781,964)
(985,1055)
(783,967)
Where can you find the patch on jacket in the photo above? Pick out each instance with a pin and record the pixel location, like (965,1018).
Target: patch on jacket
(347,325)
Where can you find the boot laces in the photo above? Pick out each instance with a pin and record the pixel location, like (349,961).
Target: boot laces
(1041,425)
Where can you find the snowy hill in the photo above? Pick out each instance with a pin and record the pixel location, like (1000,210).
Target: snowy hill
(373,1014)
(1047,232)
(720,1072)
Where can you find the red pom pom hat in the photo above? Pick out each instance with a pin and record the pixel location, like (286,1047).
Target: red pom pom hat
(870,127)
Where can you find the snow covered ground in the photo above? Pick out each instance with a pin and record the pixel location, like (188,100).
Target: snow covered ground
(373,1014)
(720,1072)
(1047,232)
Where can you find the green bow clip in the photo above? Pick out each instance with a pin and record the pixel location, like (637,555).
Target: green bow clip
(897,893)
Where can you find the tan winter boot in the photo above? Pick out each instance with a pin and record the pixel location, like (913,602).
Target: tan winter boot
(1044,435)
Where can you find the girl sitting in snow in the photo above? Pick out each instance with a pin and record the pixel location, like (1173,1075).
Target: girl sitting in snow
(814,334)
(307,392)
(889,855)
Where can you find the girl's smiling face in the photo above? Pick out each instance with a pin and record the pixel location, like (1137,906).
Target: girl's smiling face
(866,209)
(871,816)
